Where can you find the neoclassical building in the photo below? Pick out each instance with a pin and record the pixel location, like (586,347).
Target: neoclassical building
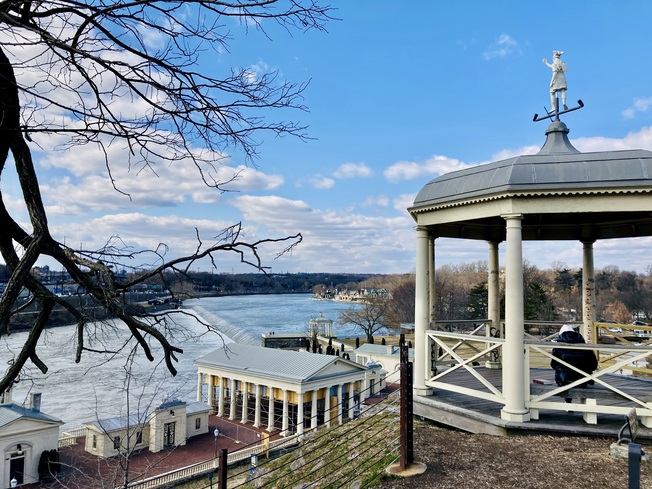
(279,389)
(25,433)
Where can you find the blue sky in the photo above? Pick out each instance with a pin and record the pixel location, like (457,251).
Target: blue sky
(399,93)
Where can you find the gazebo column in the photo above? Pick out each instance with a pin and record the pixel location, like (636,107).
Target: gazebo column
(270,419)
(514,367)
(493,300)
(421,314)
(431,284)
(588,293)
(257,408)
(313,413)
(220,399)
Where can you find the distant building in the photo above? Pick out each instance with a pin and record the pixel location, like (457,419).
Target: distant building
(25,433)
(387,357)
(169,425)
(290,390)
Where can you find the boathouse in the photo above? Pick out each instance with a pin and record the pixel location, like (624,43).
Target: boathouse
(481,379)
(282,389)
(25,434)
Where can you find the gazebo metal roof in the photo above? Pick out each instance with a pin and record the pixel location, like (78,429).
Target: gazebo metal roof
(562,193)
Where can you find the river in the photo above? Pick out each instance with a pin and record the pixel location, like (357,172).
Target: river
(95,388)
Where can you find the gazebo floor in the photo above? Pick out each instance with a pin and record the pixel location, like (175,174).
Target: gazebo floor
(481,416)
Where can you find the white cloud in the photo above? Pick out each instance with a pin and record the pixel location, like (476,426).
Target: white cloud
(84,183)
(376,201)
(504,46)
(641,139)
(352,170)
(141,231)
(403,201)
(335,240)
(639,105)
(434,166)
(317,181)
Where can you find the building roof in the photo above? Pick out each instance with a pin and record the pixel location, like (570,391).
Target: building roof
(13,412)
(297,366)
(557,166)
(373,349)
(197,407)
(119,422)
(559,194)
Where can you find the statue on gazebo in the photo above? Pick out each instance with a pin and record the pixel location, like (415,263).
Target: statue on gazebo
(557,86)
(558,82)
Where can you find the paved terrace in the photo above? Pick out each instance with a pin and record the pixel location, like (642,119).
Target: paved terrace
(80,469)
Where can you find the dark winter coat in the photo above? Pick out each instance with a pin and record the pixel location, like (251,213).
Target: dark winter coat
(585,360)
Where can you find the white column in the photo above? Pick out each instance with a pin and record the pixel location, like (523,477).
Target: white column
(270,421)
(245,402)
(351,403)
(200,385)
(421,315)
(257,408)
(432,299)
(220,402)
(284,422)
(313,411)
(300,413)
(514,368)
(339,404)
(493,302)
(588,294)
(232,407)
(327,408)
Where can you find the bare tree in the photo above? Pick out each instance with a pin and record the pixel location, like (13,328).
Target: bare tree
(66,69)
(374,315)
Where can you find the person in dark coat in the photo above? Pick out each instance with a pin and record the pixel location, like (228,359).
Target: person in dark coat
(584,360)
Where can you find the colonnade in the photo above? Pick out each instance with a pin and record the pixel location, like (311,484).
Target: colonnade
(223,394)
(513,358)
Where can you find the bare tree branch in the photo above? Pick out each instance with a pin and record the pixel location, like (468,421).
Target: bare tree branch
(76,61)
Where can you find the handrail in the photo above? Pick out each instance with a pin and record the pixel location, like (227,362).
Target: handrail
(459,351)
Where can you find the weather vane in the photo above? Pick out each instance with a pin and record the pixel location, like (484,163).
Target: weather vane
(557,86)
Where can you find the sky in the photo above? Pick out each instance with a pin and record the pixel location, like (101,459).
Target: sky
(398,94)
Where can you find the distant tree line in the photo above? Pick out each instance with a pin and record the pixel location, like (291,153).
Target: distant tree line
(553,294)
(206,283)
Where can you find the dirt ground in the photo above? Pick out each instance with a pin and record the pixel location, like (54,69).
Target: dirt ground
(457,460)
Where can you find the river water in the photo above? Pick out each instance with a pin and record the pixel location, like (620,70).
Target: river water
(95,388)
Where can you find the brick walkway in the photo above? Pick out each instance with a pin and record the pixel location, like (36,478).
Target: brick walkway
(80,469)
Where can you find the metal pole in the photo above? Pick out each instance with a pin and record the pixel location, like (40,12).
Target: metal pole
(634,453)
(224,461)
(403,459)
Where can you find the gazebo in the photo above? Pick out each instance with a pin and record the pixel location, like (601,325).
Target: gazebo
(559,193)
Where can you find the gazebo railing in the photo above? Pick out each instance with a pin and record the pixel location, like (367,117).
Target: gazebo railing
(616,390)
(454,351)
(611,380)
